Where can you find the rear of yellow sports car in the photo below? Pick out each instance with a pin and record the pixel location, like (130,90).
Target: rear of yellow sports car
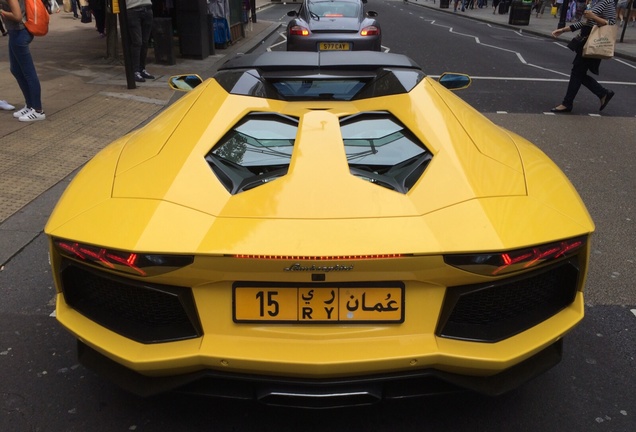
(242,246)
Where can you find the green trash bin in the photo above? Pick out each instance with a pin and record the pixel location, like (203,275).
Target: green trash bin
(520,12)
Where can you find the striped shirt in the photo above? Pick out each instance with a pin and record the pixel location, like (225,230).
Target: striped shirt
(605,9)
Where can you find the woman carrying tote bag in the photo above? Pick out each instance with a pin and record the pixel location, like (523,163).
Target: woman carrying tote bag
(600,13)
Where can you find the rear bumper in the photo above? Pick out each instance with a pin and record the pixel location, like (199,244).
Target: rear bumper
(327,393)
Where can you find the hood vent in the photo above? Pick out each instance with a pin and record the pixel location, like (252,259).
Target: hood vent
(255,151)
(382,151)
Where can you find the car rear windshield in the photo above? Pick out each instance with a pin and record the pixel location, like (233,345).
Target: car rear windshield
(319,88)
(333,9)
(326,85)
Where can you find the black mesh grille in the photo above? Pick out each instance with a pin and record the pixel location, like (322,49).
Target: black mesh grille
(143,312)
(500,310)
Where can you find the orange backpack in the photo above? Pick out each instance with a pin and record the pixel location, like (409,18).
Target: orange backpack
(37,17)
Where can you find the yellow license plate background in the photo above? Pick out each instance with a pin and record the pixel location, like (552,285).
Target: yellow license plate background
(331,46)
(324,304)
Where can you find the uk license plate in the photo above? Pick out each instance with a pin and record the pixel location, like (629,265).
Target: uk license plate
(335,46)
(318,304)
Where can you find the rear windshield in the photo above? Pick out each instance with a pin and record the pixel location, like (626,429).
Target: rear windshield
(343,89)
(325,85)
(334,9)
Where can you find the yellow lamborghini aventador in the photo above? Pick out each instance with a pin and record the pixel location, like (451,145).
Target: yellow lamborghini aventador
(320,229)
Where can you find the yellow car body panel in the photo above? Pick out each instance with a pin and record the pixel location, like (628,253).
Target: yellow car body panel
(187,179)
(485,190)
(146,229)
(310,351)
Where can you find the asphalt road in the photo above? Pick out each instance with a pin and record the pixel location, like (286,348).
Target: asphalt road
(516,80)
(42,388)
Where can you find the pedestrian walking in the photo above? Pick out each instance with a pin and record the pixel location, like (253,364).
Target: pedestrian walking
(580,9)
(21,61)
(4,105)
(76,8)
(621,9)
(98,7)
(54,7)
(139,27)
(545,4)
(601,14)
(4,31)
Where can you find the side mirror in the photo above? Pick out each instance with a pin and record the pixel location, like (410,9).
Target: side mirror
(372,14)
(292,13)
(454,81)
(184,82)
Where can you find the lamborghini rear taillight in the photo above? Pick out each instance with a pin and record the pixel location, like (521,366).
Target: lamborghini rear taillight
(138,264)
(498,263)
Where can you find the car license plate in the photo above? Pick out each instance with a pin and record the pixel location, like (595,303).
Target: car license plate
(318,304)
(333,46)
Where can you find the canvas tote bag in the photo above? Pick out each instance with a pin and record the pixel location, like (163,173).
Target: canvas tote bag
(600,43)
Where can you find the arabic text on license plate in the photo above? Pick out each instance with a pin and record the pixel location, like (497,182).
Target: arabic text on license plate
(323,304)
(331,46)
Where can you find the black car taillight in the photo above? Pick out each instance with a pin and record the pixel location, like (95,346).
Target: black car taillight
(138,264)
(499,263)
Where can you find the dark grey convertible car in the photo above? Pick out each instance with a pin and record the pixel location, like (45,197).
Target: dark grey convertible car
(333,25)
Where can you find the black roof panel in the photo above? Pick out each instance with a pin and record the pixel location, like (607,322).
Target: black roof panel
(314,61)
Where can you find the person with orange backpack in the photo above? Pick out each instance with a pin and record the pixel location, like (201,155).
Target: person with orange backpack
(20,60)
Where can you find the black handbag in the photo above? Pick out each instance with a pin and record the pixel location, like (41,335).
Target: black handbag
(577,42)
(86,15)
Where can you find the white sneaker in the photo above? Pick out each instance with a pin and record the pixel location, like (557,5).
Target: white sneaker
(6,105)
(22,112)
(32,115)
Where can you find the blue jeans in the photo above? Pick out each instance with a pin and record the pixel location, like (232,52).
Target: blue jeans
(139,28)
(23,69)
(75,6)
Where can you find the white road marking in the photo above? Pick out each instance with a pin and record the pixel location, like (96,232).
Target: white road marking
(624,62)
(516,78)
(516,53)
(284,36)
(555,114)
(634,312)
(520,33)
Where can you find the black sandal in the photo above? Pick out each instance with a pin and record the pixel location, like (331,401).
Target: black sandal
(565,109)
(605,99)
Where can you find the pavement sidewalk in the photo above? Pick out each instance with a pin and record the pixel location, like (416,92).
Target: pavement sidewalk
(88,105)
